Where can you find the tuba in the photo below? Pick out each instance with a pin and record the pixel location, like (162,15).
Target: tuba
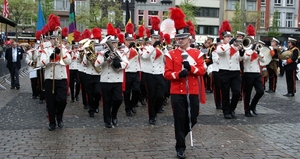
(91,55)
(112,52)
(247,42)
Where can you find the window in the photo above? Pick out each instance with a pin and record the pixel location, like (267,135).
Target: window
(151,14)
(289,20)
(262,19)
(251,5)
(62,5)
(206,12)
(80,6)
(277,2)
(263,2)
(231,4)
(64,22)
(289,2)
(277,20)
(211,30)
(153,1)
(128,1)
(140,17)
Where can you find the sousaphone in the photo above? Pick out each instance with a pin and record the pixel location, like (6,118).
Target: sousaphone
(267,56)
(285,55)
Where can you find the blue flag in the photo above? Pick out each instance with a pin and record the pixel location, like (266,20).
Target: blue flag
(41,19)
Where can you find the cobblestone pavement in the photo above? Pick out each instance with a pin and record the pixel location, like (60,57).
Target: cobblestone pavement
(274,133)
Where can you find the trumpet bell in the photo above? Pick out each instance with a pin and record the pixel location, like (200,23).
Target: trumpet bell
(248,42)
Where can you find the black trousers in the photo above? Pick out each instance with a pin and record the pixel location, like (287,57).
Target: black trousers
(143,86)
(181,119)
(272,79)
(82,79)
(230,80)
(112,100)
(217,89)
(93,92)
(290,76)
(208,82)
(281,68)
(156,87)
(57,100)
(34,86)
(252,80)
(14,75)
(41,83)
(132,90)
(74,78)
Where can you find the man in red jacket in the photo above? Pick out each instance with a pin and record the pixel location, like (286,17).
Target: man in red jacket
(183,75)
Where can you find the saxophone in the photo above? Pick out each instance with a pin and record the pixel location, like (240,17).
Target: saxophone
(91,56)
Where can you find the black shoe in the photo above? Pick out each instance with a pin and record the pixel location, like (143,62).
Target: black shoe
(227,116)
(18,87)
(77,98)
(12,87)
(143,102)
(270,91)
(233,115)
(51,128)
(165,102)
(128,113)
(97,110)
(86,107)
(41,102)
(115,122)
(254,112)
(72,100)
(60,124)
(219,107)
(108,125)
(161,109)
(289,95)
(92,115)
(152,121)
(133,110)
(180,154)
(248,114)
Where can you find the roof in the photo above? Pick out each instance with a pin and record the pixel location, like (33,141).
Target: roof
(7,21)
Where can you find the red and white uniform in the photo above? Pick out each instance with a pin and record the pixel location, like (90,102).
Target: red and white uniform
(229,57)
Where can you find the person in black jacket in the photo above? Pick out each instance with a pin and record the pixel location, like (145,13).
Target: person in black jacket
(14,55)
(290,66)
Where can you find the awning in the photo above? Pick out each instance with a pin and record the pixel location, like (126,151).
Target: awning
(7,21)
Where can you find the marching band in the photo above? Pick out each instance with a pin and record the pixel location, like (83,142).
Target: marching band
(136,67)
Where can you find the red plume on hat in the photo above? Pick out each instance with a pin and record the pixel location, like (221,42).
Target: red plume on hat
(86,34)
(121,38)
(118,30)
(38,35)
(129,28)
(96,33)
(111,30)
(161,34)
(148,33)
(76,35)
(226,26)
(167,38)
(54,22)
(178,16)
(250,30)
(155,23)
(191,28)
(141,31)
(64,31)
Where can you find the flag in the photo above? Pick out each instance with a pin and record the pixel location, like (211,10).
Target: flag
(128,18)
(72,21)
(5,9)
(40,19)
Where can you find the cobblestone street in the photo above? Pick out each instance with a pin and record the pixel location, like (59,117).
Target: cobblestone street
(274,133)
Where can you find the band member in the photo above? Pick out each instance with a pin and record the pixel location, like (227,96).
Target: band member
(112,61)
(290,66)
(264,70)
(92,74)
(31,60)
(240,36)
(55,60)
(179,72)
(216,81)
(252,75)
(229,70)
(132,76)
(155,83)
(74,77)
(273,65)
(208,60)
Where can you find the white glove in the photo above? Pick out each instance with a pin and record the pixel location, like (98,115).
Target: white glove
(204,64)
(284,62)
(264,69)
(271,47)
(204,51)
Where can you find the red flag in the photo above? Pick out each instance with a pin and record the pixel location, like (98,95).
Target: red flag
(5,9)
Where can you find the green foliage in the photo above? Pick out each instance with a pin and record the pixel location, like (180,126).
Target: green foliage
(20,11)
(188,8)
(237,19)
(47,7)
(99,13)
(274,29)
